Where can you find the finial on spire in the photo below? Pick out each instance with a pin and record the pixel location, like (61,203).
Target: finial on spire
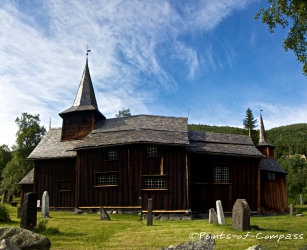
(87,50)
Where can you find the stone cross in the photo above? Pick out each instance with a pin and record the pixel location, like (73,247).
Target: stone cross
(220,213)
(291,209)
(29,211)
(45,205)
(149,213)
(4,196)
(103,214)
(241,215)
(212,216)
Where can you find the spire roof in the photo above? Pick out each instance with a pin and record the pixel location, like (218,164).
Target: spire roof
(85,98)
(262,136)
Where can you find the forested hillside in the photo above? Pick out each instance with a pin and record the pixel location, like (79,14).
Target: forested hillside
(287,139)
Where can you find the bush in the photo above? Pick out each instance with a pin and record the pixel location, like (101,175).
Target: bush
(4,213)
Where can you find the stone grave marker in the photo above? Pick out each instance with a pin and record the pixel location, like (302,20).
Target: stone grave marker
(212,216)
(45,205)
(301,199)
(220,213)
(149,213)
(103,214)
(291,209)
(29,211)
(241,215)
(4,196)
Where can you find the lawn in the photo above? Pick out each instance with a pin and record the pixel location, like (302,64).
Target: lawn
(87,231)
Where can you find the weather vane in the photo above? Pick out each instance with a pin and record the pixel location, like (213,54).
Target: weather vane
(87,50)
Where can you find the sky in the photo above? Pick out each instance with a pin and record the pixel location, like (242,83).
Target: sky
(206,60)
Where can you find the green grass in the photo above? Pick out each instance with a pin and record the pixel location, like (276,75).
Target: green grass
(87,231)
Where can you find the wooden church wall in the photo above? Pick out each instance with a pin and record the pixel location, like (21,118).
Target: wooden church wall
(56,176)
(77,125)
(131,168)
(243,182)
(273,193)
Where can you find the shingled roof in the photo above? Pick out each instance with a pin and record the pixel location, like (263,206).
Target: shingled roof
(28,179)
(52,147)
(226,144)
(272,165)
(138,129)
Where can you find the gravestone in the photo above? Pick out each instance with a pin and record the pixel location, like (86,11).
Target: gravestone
(29,211)
(149,213)
(291,209)
(301,199)
(212,216)
(241,215)
(4,196)
(103,214)
(220,213)
(45,205)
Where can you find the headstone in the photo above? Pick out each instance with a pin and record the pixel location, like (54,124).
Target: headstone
(220,213)
(4,196)
(241,215)
(10,198)
(301,199)
(45,205)
(291,209)
(149,213)
(103,214)
(29,211)
(212,216)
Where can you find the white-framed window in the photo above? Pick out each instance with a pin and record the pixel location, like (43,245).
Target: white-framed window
(221,174)
(112,154)
(154,182)
(271,176)
(152,150)
(106,179)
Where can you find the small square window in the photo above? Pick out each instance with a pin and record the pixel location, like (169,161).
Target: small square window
(152,150)
(221,174)
(64,185)
(112,154)
(106,179)
(271,176)
(154,183)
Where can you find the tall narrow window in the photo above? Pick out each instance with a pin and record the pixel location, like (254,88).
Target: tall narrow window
(112,154)
(152,150)
(221,174)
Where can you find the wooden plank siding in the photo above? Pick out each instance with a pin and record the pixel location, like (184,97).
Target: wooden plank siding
(48,175)
(273,193)
(243,184)
(131,168)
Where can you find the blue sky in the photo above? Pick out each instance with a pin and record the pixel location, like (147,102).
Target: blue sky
(209,59)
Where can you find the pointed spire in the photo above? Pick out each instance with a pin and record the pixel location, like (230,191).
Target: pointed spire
(262,135)
(86,94)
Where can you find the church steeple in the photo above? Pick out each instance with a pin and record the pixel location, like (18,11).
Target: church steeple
(263,146)
(79,120)
(86,94)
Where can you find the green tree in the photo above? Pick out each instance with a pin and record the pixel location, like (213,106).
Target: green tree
(123,113)
(296,177)
(5,157)
(28,136)
(249,123)
(285,12)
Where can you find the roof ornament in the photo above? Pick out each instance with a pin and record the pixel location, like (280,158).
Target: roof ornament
(87,50)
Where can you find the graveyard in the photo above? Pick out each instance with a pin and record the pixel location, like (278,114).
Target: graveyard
(67,230)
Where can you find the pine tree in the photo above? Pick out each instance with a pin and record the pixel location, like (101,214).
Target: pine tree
(249,122)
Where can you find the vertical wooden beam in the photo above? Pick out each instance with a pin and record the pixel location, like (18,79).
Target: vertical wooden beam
(149,213)
(77,188)
(161,163)
(258,191)
(187,179)
(130,202)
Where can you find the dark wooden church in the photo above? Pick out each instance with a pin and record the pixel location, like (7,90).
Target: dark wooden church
(92,161)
